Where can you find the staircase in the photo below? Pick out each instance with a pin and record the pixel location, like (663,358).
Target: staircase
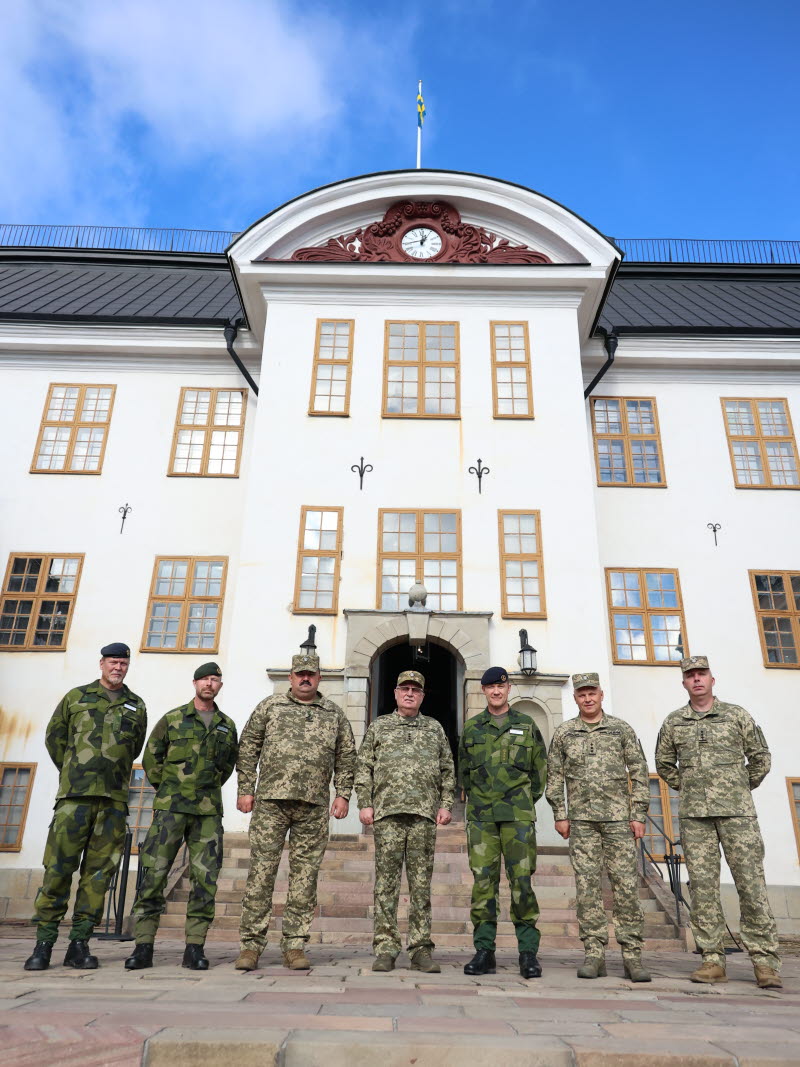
(344,906)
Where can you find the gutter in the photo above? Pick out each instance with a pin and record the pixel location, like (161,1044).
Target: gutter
(610,342)
(230,331)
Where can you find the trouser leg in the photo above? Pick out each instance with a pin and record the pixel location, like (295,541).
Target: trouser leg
(204,838)
(586,856)
(701,849)
(308,836)
(619,855)
(70,829)
(483,844)
(518,842)
(744,851)
(156,855)
(268,826)
(390,847)
(420,849)
(100,861)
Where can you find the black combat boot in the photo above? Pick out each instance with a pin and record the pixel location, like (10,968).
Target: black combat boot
(40,958)
(141,957)
(79,956)
(194,958)
(529,966)
(483,962)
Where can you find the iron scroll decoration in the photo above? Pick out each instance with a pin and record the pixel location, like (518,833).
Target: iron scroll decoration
(479,472)
(360,469)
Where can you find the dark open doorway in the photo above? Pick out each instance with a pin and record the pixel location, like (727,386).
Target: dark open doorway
(440,670)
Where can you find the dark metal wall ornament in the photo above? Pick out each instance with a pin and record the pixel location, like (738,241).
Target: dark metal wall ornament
(479,471)
(309,646)
(713,527)
(124,511)
(361,470)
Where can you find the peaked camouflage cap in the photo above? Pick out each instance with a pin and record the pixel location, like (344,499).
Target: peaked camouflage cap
(411,678)
(583,681)
(694,663)
(305,662)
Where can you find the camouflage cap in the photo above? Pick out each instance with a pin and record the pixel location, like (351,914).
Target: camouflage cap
(304,662)
(117,649)
(583,681)
(694,663)
(206,669)
(411,678)
(494,675)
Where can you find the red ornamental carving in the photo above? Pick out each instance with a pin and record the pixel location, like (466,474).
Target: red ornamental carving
(380,241)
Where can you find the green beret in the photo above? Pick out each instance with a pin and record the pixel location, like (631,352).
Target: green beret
(206,669)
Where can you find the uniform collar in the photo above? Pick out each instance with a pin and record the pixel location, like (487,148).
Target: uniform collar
(587,727)
(190,709)
(513,718)
(318,701)
(116,695)
(688,711)
(400,721)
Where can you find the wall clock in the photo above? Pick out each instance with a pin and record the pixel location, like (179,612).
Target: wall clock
(421,242)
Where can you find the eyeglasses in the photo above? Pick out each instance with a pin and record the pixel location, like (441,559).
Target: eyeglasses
(408,689)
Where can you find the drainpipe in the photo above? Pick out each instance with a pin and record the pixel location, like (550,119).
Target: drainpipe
(610,342)
(231,331)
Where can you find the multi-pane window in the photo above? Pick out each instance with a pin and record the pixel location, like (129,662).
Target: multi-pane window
(208,433)
(664,813)
(776,595)
(646,615)
(185,606)
(319,553)
(421,370)
(333,356)
(521,573)
(762,445)
(511,371)
(72,437)
(38,597)
(140,805)
(793,785)
(626,441)
(420,546)
(16,783)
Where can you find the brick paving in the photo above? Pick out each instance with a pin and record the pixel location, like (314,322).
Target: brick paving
(339,1013)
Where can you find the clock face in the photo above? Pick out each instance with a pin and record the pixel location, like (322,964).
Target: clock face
(421,243)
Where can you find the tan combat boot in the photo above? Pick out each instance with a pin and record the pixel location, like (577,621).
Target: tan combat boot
(767,977)
(248,960)
(709,973)
(423,961)
(634,971)
(383,963)
(295,959)
(593,967)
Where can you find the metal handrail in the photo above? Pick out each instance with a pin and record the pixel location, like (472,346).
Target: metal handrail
(671,860)
(117,891)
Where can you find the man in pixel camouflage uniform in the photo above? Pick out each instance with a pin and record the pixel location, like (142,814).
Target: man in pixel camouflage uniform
(405,782)
(596,754)
(502,765)
(294,742)
(714,755)
(93,737)
(189,756)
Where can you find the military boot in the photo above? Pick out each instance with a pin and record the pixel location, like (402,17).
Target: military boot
(296,960)
(79,956)
(592,967)
(483,962)
(248,960)
(423,961)
(39,960)
(141,957)
(767,977)
(383,963)
(709,972)
(529,966)
(195,958)
(634,971)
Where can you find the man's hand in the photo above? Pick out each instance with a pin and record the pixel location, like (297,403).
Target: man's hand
(339,808)
(245,803)
(367,816)
(443,817)
(562,828)
(637,829)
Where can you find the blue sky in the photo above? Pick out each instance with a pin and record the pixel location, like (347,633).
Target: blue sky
(676,120)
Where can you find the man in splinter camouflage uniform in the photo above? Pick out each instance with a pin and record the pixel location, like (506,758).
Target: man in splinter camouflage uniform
(189,756)
(596,754)
(294,741)
(502,764)
(405,782)
(714,755)
(93,737)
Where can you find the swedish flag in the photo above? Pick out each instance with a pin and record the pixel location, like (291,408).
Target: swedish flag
(420,107)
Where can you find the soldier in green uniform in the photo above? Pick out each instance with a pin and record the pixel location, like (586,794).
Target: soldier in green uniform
(189,756)
(714,755)
(405,781)
(293,742)
(596,755)
(93,737)
(502,765)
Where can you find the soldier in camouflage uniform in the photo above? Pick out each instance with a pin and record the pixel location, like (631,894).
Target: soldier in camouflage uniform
(596,754)
(294,741)
(189,756)
(502,764)
(405,782)
(714,755)
(93,737)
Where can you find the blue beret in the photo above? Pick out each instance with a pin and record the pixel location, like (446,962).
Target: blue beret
(494,675)
(117,650)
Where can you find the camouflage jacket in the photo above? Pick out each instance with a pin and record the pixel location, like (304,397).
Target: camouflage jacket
(405,767)
(93,741)
(503,770)
(595,765)
(712,759)
(187,763)
(295,748)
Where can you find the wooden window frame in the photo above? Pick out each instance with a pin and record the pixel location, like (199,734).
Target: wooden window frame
(421,363)
(185,600)
(666,815)
(207,429)
(137,826)
(646,611)
(420,555)
(522,557)
(627,437)
(319,361)
(303,553)
(794,810)
(759,439)
(497,363)
(74,426)
(37,597)
(793,614)
(13,765)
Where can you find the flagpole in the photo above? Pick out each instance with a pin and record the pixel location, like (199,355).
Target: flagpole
(419,131)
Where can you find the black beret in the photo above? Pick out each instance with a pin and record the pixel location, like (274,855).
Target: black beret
(206,669)
(494,675)
(117,650)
